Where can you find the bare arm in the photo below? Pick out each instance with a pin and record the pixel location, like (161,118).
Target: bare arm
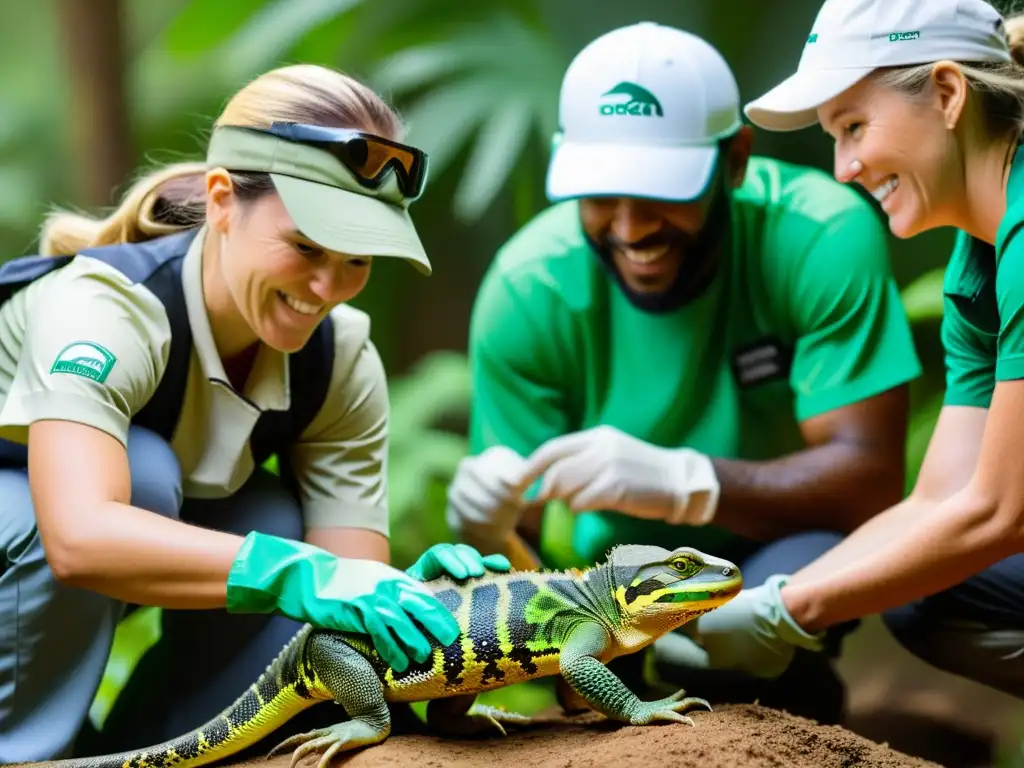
(852,468)
(948,464)
(978,525)
(93,537)
(351,542)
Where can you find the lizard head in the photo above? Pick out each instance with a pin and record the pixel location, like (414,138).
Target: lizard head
(659,589)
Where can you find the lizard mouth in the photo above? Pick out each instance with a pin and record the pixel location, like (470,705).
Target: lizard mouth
(699,596)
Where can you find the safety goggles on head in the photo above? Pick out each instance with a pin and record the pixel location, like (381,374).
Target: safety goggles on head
(368,157)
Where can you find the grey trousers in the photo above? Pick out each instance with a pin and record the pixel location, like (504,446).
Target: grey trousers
(974,629)
(55,640)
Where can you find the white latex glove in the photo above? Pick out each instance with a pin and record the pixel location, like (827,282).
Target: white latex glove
(604,468)
(484,505)
(753,633)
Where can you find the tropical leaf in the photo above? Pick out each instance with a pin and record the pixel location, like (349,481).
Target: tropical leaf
(919,433)
(443,123)
(922,299)
(21,189)
(481,78)
(488,85)
(421,66)
(202,26)
(269,34)
(496,152)
(436,387)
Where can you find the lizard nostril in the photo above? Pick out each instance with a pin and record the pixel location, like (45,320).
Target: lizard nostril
(727,571)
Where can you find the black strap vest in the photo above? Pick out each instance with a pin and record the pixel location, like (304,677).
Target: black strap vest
(156,264)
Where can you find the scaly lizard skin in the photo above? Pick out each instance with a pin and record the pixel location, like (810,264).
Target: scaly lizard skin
(516,626)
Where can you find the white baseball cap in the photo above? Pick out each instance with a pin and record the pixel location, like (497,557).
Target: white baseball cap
(851,38)
(641,111)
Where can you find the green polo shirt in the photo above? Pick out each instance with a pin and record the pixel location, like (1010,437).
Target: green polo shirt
(803,317)
(85,344)
(983,295)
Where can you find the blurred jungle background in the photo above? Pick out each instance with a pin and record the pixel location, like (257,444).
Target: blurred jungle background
(93,90)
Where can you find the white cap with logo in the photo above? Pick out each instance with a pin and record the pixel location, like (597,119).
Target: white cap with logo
(851,38)
(641,111)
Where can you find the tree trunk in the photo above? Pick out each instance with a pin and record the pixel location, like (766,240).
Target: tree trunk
(92,34)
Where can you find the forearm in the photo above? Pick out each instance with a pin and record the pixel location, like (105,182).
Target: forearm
(957,539)
(838,485)
(139,557)
(868,538)
(361,543)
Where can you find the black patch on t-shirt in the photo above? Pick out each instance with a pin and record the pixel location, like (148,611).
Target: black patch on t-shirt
(765,360)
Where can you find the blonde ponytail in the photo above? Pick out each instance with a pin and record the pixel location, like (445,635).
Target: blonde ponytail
(161,202)
(1014,27)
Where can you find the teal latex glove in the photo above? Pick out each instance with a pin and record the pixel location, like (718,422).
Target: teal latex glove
(460,561)
(279,576)
(752,633)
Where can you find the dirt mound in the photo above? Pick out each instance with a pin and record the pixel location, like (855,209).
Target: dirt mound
(733,736)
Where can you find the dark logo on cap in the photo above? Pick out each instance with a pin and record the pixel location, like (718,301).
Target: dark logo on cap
(639,101)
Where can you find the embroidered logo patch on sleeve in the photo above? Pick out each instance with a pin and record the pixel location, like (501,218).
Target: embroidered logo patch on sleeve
(85,358)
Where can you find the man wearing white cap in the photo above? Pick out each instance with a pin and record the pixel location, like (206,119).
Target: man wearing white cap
(670,350)
(925,103)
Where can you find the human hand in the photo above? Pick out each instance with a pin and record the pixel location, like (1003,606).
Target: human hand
(306,583)
(460,561)
(604,468)
(483,504)
(752,633)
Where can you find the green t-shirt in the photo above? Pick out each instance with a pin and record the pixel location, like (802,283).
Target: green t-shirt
(983,318)
(803,317)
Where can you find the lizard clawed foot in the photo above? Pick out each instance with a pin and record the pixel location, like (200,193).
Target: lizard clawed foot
(498,716)
(476,721)
(462,717)
(667,709)
(345,736)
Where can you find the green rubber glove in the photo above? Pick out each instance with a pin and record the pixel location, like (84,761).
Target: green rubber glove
(279,576)
(752,633)
(460,561)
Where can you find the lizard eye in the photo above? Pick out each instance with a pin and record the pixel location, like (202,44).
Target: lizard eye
(683,564)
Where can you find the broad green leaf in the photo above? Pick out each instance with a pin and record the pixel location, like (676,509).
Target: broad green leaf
(922,299)
(919,434)
(432,451)
(383,29)
(497,148)
(417,67)
(267,36)
(498,71)
(202,26)
(328,42)
(21,190)
(434,457)
(443,121)
(438,385)
(135,634)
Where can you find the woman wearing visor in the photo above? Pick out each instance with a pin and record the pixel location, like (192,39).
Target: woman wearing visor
(151,361)
(925,104)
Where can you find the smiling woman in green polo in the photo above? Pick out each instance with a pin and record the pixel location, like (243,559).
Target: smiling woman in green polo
(925,104)
(150,362)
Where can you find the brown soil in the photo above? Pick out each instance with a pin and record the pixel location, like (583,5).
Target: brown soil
(733,736)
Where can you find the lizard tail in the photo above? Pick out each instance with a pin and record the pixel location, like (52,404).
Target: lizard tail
(278,695)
